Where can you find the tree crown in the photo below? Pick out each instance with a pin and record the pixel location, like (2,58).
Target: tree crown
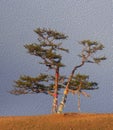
(48,49)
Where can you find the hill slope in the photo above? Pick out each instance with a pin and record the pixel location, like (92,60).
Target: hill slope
(67,121)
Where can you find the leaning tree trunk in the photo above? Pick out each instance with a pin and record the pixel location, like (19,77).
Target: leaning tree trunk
(62,103)
(64,98)
(55,95)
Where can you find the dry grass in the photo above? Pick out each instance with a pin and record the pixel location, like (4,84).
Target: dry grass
(69,121)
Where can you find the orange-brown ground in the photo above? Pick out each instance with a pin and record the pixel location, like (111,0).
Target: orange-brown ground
(67,121)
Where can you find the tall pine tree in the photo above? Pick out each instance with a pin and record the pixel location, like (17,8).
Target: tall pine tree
(49,50)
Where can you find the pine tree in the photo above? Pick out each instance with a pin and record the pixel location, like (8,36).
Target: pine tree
(48,49)
(87,55)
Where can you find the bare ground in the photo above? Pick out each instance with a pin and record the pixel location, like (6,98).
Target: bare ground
(67,121)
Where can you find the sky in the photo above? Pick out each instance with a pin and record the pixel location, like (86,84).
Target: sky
(80,20)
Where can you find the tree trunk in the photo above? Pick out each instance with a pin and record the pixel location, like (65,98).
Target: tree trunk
(79,101)
(62,103)
(84,59)
(64,98)
(55,95)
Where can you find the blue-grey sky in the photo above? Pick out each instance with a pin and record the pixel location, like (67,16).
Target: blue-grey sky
(80,20)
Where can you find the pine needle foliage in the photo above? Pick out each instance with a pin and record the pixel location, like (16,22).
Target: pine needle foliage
(48,49)
(82,82)
(90,48)
(42,83)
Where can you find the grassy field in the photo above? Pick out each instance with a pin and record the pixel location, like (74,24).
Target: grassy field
(67,121)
